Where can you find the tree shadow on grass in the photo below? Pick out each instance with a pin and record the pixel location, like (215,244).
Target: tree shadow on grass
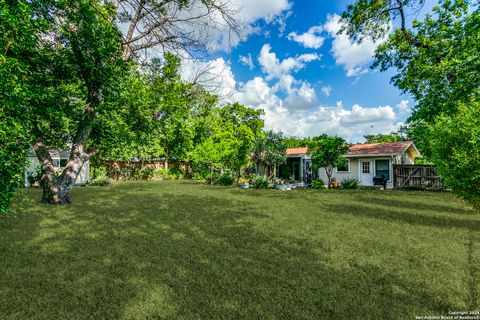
(396,211)
(175,257)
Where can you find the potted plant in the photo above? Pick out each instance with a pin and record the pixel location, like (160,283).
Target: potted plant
(281,184)
(243,183)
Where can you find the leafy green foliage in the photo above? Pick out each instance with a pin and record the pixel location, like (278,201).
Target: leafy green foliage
(226,178)
(436,60)
(318,184)
(260,182)
(455,146)
(390,137)
(270,150)
(296,142)
(224,137)
(327,152)
(13,153)
(350,183)
(16,37)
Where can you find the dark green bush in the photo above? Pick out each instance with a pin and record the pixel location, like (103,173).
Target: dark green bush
(13,159)
(318,184)
(350,183)
(34,177)
(227,178)
(147,173)
(260,182)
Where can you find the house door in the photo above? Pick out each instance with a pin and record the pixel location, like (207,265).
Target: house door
(296,171)
(366,173)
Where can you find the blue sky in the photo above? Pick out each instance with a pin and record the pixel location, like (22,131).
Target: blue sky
(307,79)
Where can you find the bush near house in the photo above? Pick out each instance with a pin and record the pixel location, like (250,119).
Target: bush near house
(350,183)
(226,178)
(318,184)
(260,182)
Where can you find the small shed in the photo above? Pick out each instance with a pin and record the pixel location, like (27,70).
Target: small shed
(59,158)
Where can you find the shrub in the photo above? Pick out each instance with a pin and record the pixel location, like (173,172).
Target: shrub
(13,159)
(212,178)
(455,146)
(226,179)
(318,184)
(34,177)
(260,182)
(100,181)
(147,173)
(350,183)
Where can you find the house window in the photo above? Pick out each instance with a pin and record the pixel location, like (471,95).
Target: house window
(56,163)
(382,168)
(63,163)
(365,166)
(345,167)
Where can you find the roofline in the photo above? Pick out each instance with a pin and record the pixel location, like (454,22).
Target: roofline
(372,155)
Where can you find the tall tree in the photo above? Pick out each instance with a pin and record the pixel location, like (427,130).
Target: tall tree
(381,137)
(296,142)
(79,61)
(455,145)
(435,59)
(173,25)
(328,152)
(270,151)
(230,132)
(17,36)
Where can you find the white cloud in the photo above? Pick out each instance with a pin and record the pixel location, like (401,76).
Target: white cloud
(311,39)
(299,114)
(274,68)
(327,90)
(291,105)
(247,13)
(403,107)
(301,98)
(359,115)
(215,76)
(352,56)
(247,60)
(252,10)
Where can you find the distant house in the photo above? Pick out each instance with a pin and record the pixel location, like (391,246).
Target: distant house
(366,161)
(298,166)
(59,159)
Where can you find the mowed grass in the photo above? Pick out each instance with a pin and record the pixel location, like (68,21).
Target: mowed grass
(184,250)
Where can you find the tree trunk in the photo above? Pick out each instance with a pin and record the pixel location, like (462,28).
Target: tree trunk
(56,190)
(328,171)
(166,158)
(48,181)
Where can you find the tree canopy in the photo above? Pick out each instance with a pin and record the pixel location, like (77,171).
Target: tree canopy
(436,61)
(327,152)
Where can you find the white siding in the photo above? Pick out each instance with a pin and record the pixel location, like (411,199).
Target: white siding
(339,176)
(82,178)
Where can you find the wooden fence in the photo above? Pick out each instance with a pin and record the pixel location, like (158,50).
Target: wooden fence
(122,170)
(416,176)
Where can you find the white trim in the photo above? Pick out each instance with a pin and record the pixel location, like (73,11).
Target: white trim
(348,165)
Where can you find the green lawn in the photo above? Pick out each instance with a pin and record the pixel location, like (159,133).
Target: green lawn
(183,250)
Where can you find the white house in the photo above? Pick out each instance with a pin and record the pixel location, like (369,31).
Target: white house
(60,159)
(366,161)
